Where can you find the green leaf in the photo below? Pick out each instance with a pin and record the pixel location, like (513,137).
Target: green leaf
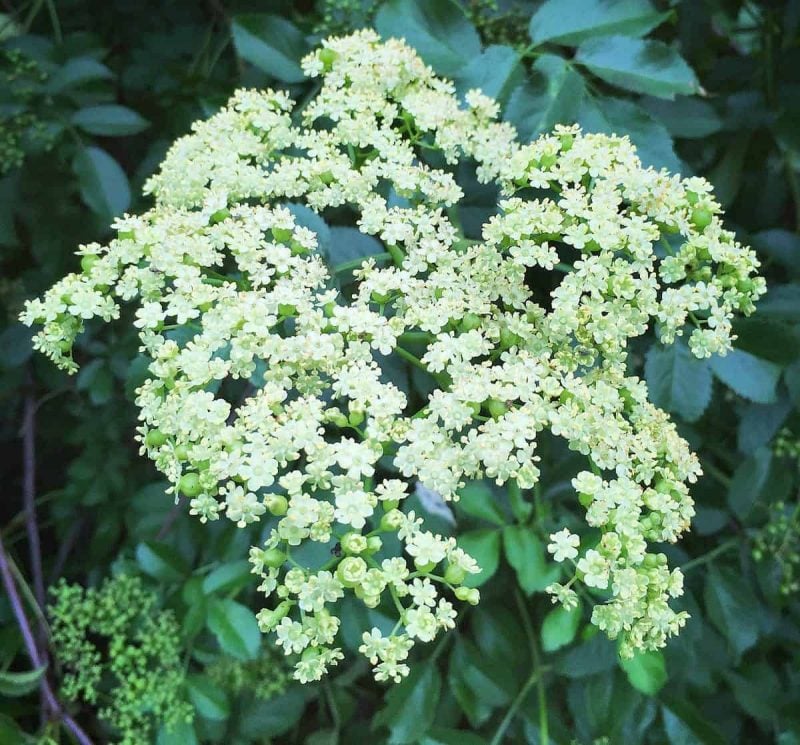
(695,720)
(525,553)
(571,22)
(495,71)
(685,117)
(447,736)
(438,30)
(477,499)
(102,182)
(262,719)
(622,117)
(15,343)
(208,698)
(77,71)
(748,481)
(179,733)
(235,627)
(349,244)
(678,381)
(730,605)
(411,705)
(484,547)
(109,120)
(271,43)
(646,672)
(554,94)
(596,655)
(640,66)
(161,561)
(20,684)
(751,377)
(559,628)
(228,577)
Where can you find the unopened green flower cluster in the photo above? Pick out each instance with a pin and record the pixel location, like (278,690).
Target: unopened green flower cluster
(121,653)
(267,398)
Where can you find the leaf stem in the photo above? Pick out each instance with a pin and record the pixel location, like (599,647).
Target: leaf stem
(710,555)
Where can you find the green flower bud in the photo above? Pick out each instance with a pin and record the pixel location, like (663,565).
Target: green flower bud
(351,570)
(470,322)
(219,216)
(701,218)
(277,504)
(88,261)
(424,566)
(454,574)
(281,235)
(392,520)
(327,57)
(155,438)
(274,558)
(190,484)
(374,544)
(496,408)
(353,543)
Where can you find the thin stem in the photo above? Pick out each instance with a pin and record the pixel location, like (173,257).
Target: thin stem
(33,652)
(537,673)
(334,709)
(717,474)
(29,495)
(348,266)
(711,555)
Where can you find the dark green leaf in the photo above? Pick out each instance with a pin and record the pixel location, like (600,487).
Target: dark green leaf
(161,561)
(208,698)
(559,627)
(687,117)
(748,481)
(109,120)
(77,71)
(495,71)
(640,66)
(730,605)
(235,627)
(102,182)
(553,95)
(411,704)
(271,43)
(15,343)
(20,684)
(526,554)
(438,30)
(477,499)
(179,733)
(228,577)
(484,547)
(678,381)
(646,672)
(750,377)
(571,22)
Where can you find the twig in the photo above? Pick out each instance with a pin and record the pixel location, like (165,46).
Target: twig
(171,517)
(29,495)
(33,652)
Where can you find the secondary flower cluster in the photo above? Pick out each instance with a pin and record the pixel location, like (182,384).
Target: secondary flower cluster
(267,393)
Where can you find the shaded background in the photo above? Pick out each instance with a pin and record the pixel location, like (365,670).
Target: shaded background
(91,96)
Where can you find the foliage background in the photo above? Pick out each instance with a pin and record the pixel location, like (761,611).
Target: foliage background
(91,95)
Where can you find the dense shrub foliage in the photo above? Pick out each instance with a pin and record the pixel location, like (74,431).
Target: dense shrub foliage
(488,242)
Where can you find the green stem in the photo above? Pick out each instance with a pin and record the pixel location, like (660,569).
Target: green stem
(348,266)
(717,474)
(415,337)
(711,555)
(564,268)
(520,508)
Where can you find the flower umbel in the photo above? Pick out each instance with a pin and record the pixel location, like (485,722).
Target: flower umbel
(267,397)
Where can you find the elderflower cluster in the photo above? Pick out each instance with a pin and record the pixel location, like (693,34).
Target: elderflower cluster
(268,398)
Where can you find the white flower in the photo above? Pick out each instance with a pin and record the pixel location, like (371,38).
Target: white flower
(564,545)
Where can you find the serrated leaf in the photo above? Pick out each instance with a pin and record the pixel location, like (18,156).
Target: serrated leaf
(554,94)
(570,22)
(525,552)
(208,698)
(411,705)
(646,672)
(230,576)
(478,500)
(730,604)
(272,44)
(102,182)
(20,684)
(77,71)
(637,65)
(677,381)
(559,627)
(752,378)
(438,30)
(161,561)
(495,71)
(109,120)
(235,627)
(686,117)
(748,481)
(484,547)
